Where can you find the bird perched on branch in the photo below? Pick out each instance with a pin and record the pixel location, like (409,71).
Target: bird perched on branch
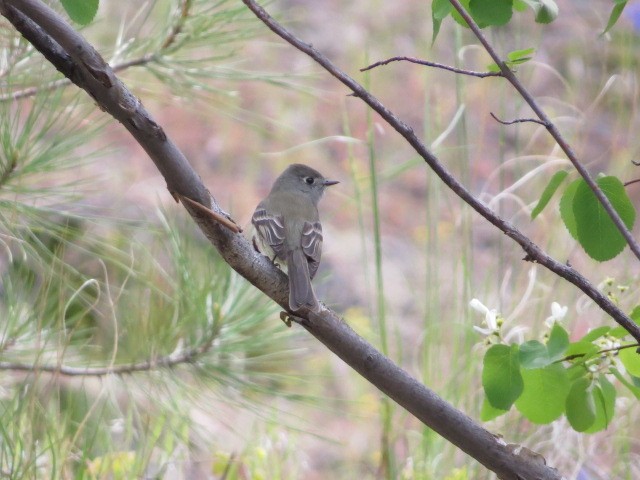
(288,229)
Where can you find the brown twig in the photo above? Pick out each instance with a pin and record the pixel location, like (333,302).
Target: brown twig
(227,222)
(631,182)
(518,120)
(442,66)
(607,350)
(551,128)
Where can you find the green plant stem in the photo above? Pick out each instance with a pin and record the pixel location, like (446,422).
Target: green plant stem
(386,407)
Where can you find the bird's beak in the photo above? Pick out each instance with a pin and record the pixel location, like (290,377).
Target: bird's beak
(328,183)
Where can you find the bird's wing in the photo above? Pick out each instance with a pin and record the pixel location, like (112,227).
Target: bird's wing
(271,230)
(311,243)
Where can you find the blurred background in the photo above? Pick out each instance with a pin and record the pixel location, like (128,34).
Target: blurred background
(100,267)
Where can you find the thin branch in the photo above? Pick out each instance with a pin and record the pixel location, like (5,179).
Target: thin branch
(222,219)
(442,66)
(185,8)
(518,120)
(601,352)
(631,182)
(168,361)
(551,128)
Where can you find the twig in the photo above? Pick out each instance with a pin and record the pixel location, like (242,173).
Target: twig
(518,120)
(551,128)
(185,7)
(631,182)
(442,66)
(227,222)
(168,361)
(607,350)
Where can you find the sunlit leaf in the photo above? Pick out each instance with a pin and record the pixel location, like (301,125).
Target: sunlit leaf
(501,376)
(547,194)
(81,11)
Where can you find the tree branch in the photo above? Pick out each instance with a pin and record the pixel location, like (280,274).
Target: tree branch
(551,128)
(517,120)
(462,71)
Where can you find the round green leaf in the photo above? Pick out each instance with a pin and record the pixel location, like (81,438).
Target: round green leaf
(501,376)
(81,11)
(547,12)
(549,190)
(604,397)
(566,208)
(580,406)
(596,231)
(631,360)
(558,342)
(534,354)
(489,412)
(491,12)
(545,393)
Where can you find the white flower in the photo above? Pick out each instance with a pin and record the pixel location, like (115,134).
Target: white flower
(558,312)
(490,317)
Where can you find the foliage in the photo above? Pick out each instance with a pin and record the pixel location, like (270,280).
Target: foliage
(81,11)
(547,379)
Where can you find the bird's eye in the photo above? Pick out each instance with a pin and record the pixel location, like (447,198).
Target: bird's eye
(308,180)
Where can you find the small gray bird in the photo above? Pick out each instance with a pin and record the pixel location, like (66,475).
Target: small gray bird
(288,229)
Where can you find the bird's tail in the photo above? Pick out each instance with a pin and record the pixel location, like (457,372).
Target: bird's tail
(301,292)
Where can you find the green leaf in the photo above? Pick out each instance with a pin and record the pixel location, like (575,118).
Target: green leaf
(557,343)
(616,11)
(489,412)
(604,397)
(81,11)
(548,192)
(547,12)
(597,233)
(491,12)
(635,314)
(544,395)
(582,347)
(631,360)
(566,208)
(519,5)
(618,332)
(622,379)
(440,9)
(501,376)
(580,406)
(521,56)
(534,354)
(595,334)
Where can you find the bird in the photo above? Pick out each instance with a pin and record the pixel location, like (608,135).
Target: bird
(288,229)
